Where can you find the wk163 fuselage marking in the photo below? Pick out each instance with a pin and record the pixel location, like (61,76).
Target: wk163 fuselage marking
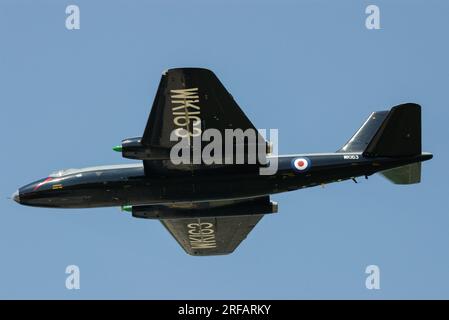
(211,207)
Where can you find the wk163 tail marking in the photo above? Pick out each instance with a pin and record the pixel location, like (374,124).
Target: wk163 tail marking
(351,157)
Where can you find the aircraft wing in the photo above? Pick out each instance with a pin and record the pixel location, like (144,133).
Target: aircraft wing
(188,102)
(214,228)
(185,97)
(211,236)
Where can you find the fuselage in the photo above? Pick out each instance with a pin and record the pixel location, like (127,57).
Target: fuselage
(129,184)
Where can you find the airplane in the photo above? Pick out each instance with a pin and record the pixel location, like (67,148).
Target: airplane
(210,208)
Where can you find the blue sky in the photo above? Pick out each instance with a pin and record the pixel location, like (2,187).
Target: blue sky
(309,68)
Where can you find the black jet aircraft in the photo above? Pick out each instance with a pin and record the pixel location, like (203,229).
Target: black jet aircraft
(210,208)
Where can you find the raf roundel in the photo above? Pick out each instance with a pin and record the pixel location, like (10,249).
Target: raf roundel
(301,164)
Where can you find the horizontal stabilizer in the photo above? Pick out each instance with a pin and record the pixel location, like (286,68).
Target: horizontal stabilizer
(408,174)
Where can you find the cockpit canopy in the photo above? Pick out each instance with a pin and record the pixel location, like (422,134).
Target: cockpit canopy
(64,172)
(67,172)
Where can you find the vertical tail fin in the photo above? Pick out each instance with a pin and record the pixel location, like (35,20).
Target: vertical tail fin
(399,135)
(394,133)
(361,139)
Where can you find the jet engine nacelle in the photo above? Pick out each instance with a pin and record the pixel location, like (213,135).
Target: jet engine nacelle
(246,208)
(132,148)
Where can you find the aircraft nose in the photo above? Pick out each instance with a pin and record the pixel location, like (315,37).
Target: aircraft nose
(16,196)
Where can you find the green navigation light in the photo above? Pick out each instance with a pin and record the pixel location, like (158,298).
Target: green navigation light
(117,148)
(127,208)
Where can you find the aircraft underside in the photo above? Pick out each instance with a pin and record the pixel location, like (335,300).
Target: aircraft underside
(210,208)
